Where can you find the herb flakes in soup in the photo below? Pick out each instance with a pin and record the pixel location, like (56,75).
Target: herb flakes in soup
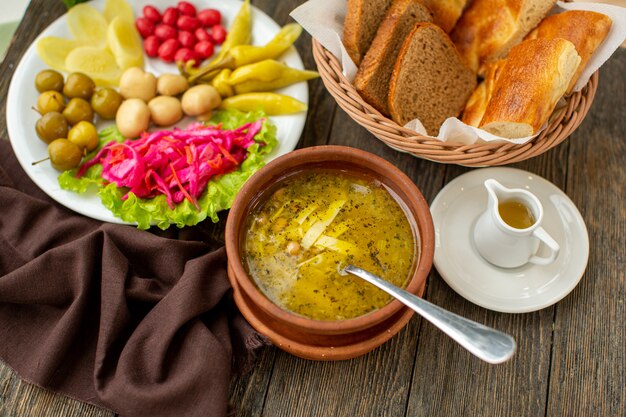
(312,225)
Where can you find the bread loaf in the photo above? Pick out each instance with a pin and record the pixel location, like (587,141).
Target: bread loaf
(533,78)
(477,103)
(446,12)
(585,29)
(488,29)
(429,80)
(360,25)
(374,74)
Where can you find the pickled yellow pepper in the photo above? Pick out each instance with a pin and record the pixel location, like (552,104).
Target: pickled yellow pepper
(266,75)
(273,104)
(240,55)
(240,33)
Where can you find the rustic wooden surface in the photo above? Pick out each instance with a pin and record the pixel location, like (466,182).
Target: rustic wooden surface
(571,356)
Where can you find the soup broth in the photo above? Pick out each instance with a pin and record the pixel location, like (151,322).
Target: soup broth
(311,226)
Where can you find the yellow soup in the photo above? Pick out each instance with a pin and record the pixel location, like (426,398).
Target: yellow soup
(312,225)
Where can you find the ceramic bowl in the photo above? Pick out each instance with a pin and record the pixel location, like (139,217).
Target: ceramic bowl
(317,339)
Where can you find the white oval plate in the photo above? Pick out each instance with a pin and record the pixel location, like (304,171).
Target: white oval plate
(516,290)
(22,96)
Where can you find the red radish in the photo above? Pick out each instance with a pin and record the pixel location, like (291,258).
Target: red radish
(152,14)
(186,39)
(202,35)
(210,17)
(170,16)
(204,49)
(151,45)
(188,23)
(185,54)
(186,8)
(219,34)
(165,32)
(144,26)
(168,50)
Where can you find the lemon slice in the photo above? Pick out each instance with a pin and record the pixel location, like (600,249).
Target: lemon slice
(98,63)
(87,25)
(115,8)
(54,51)
(125,43)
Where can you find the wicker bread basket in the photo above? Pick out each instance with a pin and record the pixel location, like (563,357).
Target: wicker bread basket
(561,124)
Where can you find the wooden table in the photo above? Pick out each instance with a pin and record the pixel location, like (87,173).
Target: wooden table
(571,356)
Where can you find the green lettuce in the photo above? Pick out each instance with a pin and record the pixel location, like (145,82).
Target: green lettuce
(220,193)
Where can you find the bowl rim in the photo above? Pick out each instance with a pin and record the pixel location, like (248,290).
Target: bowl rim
(293,162)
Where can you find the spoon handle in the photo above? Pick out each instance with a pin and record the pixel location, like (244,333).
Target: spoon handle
(488,344)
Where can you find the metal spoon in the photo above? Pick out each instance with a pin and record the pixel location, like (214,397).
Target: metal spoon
(488,344)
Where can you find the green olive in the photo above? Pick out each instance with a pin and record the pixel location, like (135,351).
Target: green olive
(105,102)
(49,80)
(50,101)
(51,126)
(78,110)
(84,135)
(64,154)
(79,85)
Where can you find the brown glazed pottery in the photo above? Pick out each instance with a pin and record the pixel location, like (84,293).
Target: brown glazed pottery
(317,339)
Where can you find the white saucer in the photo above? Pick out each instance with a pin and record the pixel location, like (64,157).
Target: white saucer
(518,290)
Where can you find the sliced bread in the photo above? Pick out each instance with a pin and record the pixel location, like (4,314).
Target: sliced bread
(477,103)
(429,81)
(488,29)
(360,25)
(533,78)
(372,79)
(585,29)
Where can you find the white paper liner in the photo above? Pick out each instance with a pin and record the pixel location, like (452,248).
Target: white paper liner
(323,19)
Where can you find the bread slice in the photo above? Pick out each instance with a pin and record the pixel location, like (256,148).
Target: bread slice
(446,12)
(533,78)
(585,29)
(488,29)
(372,78)
(429,81)
(360,25)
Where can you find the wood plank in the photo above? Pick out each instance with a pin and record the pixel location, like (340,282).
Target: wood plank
(589,356)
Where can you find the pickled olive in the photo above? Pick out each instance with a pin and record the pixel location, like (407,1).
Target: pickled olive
(165,110)
(221,84)
(51,126)
(64,154)
(273,104)
(200,100)
(78,110)
(171,84)
(84,135)
(105,102)
(135,83)
(49,80)
(133,118)
(79,85)
(50,101)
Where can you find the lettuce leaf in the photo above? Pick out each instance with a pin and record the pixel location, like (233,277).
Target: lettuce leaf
(220,193)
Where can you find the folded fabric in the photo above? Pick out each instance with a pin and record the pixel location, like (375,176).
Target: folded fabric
(135,322)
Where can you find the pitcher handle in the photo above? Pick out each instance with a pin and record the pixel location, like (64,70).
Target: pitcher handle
(554,247)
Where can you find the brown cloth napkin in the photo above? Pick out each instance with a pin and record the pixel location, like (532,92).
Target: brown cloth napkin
(138,323)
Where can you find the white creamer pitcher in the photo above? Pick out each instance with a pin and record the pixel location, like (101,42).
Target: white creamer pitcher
(506,246)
